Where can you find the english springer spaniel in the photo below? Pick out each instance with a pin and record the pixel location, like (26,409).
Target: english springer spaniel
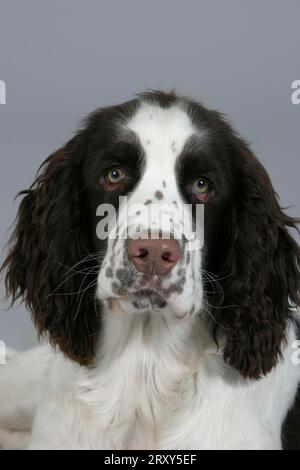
(154,344)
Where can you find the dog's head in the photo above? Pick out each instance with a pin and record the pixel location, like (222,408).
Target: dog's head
(77,246)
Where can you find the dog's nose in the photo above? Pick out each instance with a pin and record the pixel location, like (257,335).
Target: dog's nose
(152,256)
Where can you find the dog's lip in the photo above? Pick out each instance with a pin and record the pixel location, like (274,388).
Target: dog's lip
(153,282)
(153,295)
(149,295)
(148,285)
(146,292)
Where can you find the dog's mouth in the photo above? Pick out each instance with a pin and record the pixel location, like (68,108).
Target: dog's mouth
(150,296)
(148,293)
(146,297)
(142,300)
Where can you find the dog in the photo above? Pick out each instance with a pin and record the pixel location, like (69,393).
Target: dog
(156,341)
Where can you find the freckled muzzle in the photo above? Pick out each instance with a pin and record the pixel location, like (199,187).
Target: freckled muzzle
(148,266)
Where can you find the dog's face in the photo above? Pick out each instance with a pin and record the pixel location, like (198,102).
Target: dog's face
(164,156)
(145,267)
(166,163)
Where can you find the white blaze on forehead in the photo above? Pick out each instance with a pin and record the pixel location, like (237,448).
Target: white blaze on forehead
(162,132)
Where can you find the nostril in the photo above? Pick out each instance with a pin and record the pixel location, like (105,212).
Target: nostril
(167,256)
(143,253)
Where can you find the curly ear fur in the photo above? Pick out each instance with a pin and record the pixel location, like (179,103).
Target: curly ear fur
(263,271)
(49,252)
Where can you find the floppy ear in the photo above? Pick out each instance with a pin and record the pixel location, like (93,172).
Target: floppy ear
(48,264)
(263,271)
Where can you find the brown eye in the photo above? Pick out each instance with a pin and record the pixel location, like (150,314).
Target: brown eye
(201,186)
(114,176)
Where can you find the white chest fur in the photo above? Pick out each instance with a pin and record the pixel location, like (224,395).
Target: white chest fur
(161,385)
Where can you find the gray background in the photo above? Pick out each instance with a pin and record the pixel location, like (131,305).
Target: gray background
(60,59)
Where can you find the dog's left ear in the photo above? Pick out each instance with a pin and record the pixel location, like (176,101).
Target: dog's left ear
(263,271)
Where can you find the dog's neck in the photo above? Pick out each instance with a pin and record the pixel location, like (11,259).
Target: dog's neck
(144,363)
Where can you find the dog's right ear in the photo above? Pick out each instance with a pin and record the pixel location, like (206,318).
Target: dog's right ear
(48,262)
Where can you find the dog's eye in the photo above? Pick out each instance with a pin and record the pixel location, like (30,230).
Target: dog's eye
(114,176)
(201,186)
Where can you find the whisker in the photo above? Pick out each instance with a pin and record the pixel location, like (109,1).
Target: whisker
(214,283)
(85,259)
(217,276)
(92,284)
(72,268)
(95,307)
(81,271)
(207,310)
(81,284)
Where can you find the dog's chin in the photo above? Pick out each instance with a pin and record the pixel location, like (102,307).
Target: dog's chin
(146,301)
(141,301)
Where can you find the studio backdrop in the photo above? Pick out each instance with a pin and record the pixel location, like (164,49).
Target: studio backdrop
(61,59)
